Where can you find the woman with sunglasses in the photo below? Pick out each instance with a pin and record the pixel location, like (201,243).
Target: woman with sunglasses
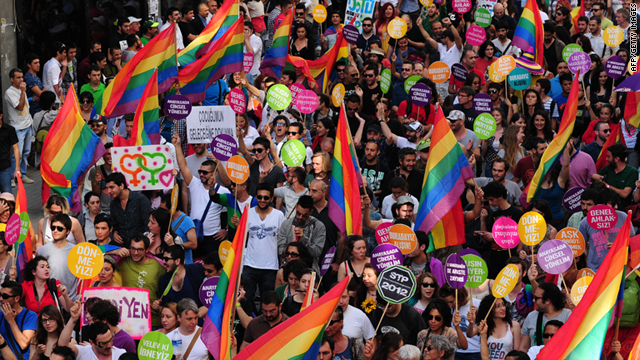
(38,289)
(293,251)
(169,318)
(50,325)
(503,332)
(428,290)
(55,205)
(439,347)
(465,305)
(106,274)
(438,318)
(86,105)
(293,303)
(159,234)
(385,349)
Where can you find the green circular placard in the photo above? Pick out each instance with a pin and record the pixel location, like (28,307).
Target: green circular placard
(519,78)
(478,270)
(411,80)
(482,17)
(155,345)
(385,81)
(293,153)
(279,97)
(484,126)
(24,227)
(570,49)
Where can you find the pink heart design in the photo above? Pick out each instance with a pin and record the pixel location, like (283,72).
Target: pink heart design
(166,178)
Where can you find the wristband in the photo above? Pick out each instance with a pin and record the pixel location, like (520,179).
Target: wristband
(238,305)
(4,345)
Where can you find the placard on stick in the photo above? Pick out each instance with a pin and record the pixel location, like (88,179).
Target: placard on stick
(602,217)
(477,270)
(85,260)
(223,250)
(327,260)
(505,281)
(208,290)
(532,228)
(385,255)
(574,239)
(403,237)
(396,284)
(155,345)
(12,230)
(555,257)
(579,288)
(382,232)
(146,167)
(238,169)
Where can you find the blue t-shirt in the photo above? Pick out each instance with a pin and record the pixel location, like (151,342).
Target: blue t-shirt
(215,93)
(182,230)
(33,80)
(346,354)
(26,320)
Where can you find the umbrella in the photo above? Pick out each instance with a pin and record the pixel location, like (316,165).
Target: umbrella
(632,83)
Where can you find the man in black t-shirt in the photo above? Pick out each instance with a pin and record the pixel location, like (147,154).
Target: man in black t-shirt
(371,92)
(376,172)
(465,98)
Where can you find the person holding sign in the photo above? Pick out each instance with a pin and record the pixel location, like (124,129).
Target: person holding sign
(401,317)
(260,166)
(550,303)
(501,332)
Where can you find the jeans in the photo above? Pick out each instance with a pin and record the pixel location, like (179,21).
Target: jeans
(6,176)
(24,145)
(253,278)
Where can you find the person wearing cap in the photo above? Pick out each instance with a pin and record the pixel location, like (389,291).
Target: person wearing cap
(423,154)
(134,26)
(119,37)
(467,138)
(149,29)
(403,211)
(398,197)
(413,131)
(375,171)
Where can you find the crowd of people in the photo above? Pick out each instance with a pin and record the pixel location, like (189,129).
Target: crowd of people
(290,228)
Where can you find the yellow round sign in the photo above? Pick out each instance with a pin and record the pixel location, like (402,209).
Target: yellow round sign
(579,288)
(223,251)
(85,260)
(586,272)
(397,28)
(613,36)
(493,75)
(504,65)
(337,95)
(320,13)
(403,237)
(531,228)
(505,281)
(426,3)
(574,239)
(238,169)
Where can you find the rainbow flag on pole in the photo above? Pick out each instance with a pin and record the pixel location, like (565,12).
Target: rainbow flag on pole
(224,18)
(225,57)
(216,330)
(69,150)
(444,177)
(125,91)
(632,108)
(614,137)
(24,252)
(146,129)
(530,31)
(582,336)
(276,56)
(298,337)
(559,142)
(344,194)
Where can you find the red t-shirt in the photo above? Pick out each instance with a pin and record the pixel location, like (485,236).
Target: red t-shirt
(418,113)
(30,299)
(525,170)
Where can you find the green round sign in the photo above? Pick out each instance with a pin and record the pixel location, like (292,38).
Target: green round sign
(155,345)
(24,227)
(385,81)
(478,270)
(484,126)
(411,80)
(279,97)
(482,17)
(519,78)
(294,153)
(570,49)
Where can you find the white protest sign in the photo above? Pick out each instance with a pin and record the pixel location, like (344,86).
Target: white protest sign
(205,122)
(145,167)
(134,306)
(359,9)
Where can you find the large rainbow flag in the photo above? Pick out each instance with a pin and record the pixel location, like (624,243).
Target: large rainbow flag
(24,251)
(224,57)
(146,129)
(69,150)
(559,142)
(298,337)
(614,137)
(216,330)
(582,336)
(632,108)
(125,91)
(226,16)
(444,177)
(530,31)
(275,58)
(453,221)
(344,193)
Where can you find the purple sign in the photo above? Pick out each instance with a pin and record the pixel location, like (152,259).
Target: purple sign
(579,61)
(438,271)
(459,72)
(468,251)
(555,257)
(178,107)
(327,260)
(482,103)
(247,62)
(306,101)
(571,199)
(420,94)
(223,147)
(615,67)
(455,271)
(208,290)
(350,33)
(385,255)
(12,231)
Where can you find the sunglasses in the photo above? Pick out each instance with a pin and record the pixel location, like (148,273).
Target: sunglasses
(367,25)
(260,197)
(292,133)
(431,285)
(208,271)
(257,150)
(7,296)
(333,322)
(87,101)
(406,69)
(535,298)
(54,213)
(429,348)
(166,259)
(204,172)
(354,75)
(300,13)
(352,108)
(547,335)
(494,91)
(368,75)
(281,124)
(59,228)
(105,343)
(292,254)
(437,317)
(606,131)
(339,70)
(47,321)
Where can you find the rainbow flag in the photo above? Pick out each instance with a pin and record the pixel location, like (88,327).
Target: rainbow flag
(614,137)
(146,129)
(106,248)
(530,31)
(224,57)
(125,91)
(559,142)
(216,330)
(224,18)
(344,196)
(69,150)
(446,171)
(308,298)
(276,56)
(634,354)
(634,254)
(298,337)
(453,221)
(582,336)
(632,108)
(576,13)
(24,252)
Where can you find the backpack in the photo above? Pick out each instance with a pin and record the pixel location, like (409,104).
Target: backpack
(631,303)
(41,135)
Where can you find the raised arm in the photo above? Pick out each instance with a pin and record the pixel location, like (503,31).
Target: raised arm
(182,162)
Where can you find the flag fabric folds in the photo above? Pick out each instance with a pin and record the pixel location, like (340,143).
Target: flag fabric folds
(344,194)
(216,330)
(224,57)
(453,222)
(614,137)
(125,91)
(582,335)
(275,58)
(298,337)
(446,171)
(308,298)
(530,31)
(24,251)
(632,108)
(634,254)
(69,150)
(146,129)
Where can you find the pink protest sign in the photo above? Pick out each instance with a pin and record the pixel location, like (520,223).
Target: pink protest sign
(382,233)
(306,101)
(295,89)
(461,6)
(12,231)
(555,257)
(476,35)
(505,233)
(237,101)
(247,62)
(602,217)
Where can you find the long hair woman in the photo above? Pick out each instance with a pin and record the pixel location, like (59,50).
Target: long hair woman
(511,148)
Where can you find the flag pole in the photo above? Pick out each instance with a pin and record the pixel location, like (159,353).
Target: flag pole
(175,47)
(237,289)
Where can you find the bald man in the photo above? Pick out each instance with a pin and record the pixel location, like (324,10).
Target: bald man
(499,15)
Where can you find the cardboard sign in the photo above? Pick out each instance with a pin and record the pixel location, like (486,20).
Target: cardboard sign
(403,237)
(477,270)
(555,257)
(505,281)
(24,227)
(476,35)
(397,28)
(504,65)
(155,346)
(223,250)
(420,94)
(532,228)
(410,82)
(396,284)
(484,126)
(147,167)
(177,107)
(350,34)
(238,169)
(602,217)
(205,122)
(295,89)
(615,66)
(482,17)
(327,260)
(505,233)
(85,260)
(279,97)
(134,306)
(586,272)
(12,230)
(574,239)
(307,101)
(223,147)
(237,101)
(461,6)
(174,198)
(571,199)
(208,290)
(455,271)
(337,94)
(382,232)
(579,288)
(320,13)
(459,72)
(385,255)
(493,75)
(293,153)
(439,72)
(613,36)
(358,9)
(247,62)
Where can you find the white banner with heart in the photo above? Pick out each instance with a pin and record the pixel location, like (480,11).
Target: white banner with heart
(147,167)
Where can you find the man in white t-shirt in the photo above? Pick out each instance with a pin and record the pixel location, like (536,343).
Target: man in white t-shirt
(54,70)
(450,49)
(19,118)
(253,45)
(356,323)
(188,332)
(100,339)
(173,15)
